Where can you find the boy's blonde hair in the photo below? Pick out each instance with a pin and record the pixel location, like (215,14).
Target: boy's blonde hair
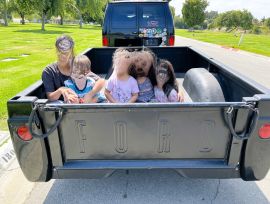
(81,65)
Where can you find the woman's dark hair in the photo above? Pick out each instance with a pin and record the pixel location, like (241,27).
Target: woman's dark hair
(172,82)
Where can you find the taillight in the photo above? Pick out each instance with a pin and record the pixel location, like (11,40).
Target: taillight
(264,131)
(24,133)
(171,40)
(105,41)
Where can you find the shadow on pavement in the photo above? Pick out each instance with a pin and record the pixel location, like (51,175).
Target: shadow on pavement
(154,186)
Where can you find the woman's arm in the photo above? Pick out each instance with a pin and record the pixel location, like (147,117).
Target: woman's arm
(67,93)
(52,92)
(133,98)
(109,96)
(100,83)
(53,96)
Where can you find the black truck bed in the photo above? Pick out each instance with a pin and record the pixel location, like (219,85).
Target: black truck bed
(204,137)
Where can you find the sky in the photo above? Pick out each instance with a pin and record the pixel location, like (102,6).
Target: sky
(258,8)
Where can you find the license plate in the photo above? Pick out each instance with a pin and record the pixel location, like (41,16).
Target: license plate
(151,42)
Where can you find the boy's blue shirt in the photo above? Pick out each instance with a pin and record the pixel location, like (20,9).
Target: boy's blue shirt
(89,86)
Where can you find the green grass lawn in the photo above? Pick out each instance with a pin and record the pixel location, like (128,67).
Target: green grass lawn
(259,44)
(16,40)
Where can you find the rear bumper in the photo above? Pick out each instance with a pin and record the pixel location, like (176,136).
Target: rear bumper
(186,168)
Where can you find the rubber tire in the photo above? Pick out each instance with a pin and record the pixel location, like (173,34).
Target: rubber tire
(202,86)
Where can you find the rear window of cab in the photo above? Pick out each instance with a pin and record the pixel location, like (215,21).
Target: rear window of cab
(152,16)
(125,16)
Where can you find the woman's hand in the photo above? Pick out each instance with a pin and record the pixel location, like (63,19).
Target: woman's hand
(69,95)
(72,99)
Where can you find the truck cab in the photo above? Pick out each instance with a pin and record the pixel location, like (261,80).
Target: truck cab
(138,23)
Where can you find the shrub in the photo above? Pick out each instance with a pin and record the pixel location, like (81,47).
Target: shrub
(256,30)
(179,23)
(197,27)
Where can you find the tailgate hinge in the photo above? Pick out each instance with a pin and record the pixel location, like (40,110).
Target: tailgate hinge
(34,117)
(251,122)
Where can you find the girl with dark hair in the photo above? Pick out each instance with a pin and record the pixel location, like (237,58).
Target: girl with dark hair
(166,89)
(145,73)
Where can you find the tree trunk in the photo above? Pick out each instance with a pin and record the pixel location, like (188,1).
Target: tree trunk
(6,14)
(23,19)
(61,20)
(81,21)
(43,21)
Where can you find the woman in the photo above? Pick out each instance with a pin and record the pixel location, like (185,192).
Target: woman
(54,75)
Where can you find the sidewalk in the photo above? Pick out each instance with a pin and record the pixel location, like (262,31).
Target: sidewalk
(14,187)
(11,175)
(4,135)
(7,154)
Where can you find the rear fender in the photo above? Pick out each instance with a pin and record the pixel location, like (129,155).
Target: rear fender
(33,156)
(255,160)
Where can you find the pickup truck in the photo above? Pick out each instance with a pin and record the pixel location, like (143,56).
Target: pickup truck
(222,130)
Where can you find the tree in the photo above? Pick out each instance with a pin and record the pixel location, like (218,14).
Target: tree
(256,22)
(194,12)
(235,19)
(4,6)
(179,23)
(172,11)
(91,8)
(63,7)
(267,22)
(22,7)
(230,20)
(246,20)
(210,15)
(263,20)
(45,9)
(100,11)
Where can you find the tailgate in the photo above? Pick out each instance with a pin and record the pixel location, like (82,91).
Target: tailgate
(144,132)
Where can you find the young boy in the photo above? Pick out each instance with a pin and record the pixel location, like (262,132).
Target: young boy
(80,81)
